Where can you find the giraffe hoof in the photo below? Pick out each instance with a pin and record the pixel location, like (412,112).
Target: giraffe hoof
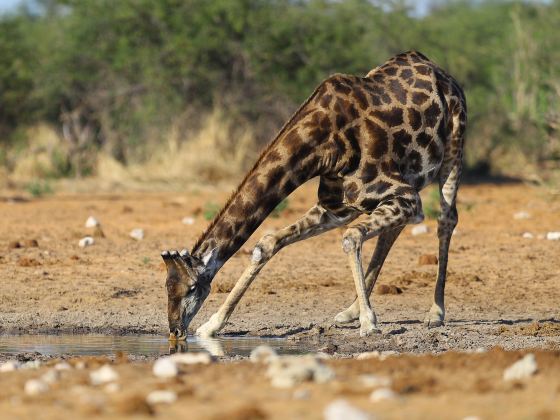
(368,330)
(435,317)
(210,328)
(346,317)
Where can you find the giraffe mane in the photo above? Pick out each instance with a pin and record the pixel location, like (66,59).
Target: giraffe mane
(289,124)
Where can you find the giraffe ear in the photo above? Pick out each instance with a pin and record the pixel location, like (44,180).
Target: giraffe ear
(209,256)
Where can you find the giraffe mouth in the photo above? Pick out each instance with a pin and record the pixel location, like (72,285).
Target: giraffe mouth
(177,335)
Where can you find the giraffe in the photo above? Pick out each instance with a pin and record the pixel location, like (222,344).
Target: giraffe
(374,142)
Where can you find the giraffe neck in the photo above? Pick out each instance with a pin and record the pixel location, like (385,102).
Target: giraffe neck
(277,173)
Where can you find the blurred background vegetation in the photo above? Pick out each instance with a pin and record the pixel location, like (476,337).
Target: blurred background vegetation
(192,89)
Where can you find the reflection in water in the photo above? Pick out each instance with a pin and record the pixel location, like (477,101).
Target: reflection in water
(147,345)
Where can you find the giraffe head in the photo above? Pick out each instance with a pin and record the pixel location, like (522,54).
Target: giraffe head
(188,285)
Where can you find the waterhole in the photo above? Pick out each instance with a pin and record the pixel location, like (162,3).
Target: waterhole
(144,345)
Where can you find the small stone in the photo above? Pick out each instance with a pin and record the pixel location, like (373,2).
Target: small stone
(103,375)
(263,354)
(521,369)
(9,366)
(137,234)
(188,220)
(528,235)
(50,377)
(288,371)
(343,410)
(92,222)
(161,397)
(329,348)
(62,366)
(521,215)
(553,236)
(35,387)
(86,241)
(419,230)
(14,245)
(32,364)
(382,394)
(427,259)
(165,368)
(388,289)
(375,381)
(191,358)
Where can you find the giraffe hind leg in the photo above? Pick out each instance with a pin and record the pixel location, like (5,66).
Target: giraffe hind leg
(384,244)
(390,214)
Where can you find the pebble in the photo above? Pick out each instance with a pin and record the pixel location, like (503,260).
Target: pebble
(137,234)
(188,220)
(9,366)
(528,235)
(521,215)
(50,377)
(343,410)
(86,241)
(165,368)
(263,354)
(161,397)
(62,366)
(553,236)
(35,387)
(427,259)
(382,394)
(103,375)
(288,371)
(521,369)
(92,222)
(32,364)
(419,230)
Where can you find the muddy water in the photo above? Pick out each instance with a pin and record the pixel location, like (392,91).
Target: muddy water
(141,345)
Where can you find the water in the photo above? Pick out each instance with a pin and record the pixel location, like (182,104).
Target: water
(144,345)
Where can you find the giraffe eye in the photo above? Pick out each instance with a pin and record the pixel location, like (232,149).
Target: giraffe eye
(192,288)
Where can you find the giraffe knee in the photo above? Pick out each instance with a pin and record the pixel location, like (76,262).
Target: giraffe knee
(351,239)
(264,250)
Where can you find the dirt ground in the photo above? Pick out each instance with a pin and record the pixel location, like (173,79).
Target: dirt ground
(503,290)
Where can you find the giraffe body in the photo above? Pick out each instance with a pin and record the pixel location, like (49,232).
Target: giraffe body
(375,142)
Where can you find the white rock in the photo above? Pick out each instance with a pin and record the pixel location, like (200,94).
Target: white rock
(35,387)
(165,368)
(103,375)
(50,377)
(62,366)
(419,230)
(521,369)
(528,235)
(521,215)
(553,236)
(32,364)
(287,371)
(382,394)
(374,381)
(9,366)
(191,358)
(92,222)
(263,354)
(188,220)
(161,397)
(137,234)
(343,410)
(86,241)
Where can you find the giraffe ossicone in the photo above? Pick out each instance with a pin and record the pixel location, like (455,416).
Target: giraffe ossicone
(374,142)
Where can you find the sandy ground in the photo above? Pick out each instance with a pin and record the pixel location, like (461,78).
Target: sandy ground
(503,290)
